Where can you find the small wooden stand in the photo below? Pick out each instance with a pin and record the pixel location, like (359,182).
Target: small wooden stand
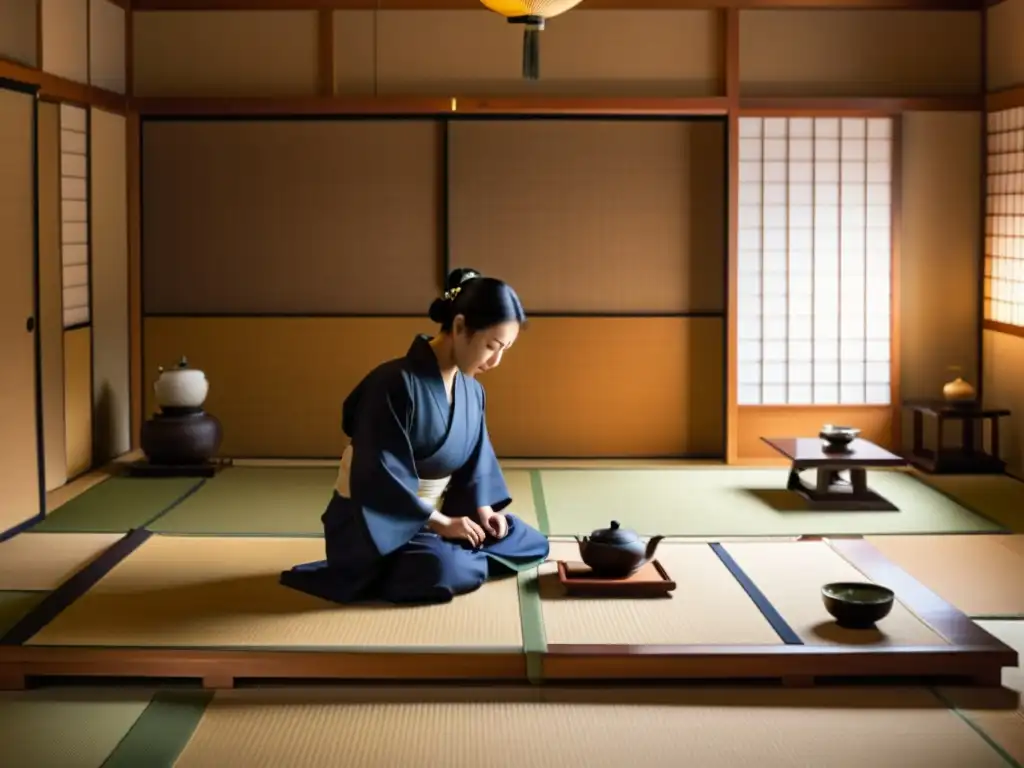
(967,458)
(143,468)
(650,581)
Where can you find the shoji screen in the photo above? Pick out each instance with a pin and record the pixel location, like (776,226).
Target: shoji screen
(815,261)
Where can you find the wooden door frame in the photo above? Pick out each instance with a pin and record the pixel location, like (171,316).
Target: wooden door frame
(33,91)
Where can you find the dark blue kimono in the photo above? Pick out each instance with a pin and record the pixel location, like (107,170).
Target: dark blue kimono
(402,429)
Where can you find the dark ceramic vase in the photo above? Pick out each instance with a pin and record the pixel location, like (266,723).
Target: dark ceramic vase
(181,438)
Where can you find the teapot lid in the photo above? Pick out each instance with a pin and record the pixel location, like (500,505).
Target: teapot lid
(613,535)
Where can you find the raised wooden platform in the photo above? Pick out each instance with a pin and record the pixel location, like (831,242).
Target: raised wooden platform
(55,641)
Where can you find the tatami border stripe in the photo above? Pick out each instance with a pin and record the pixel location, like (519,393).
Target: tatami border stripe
(72,589)
(966,719)
(531,614)
(21,527)
(162,731)
(177,502)
(540,506)
(531,618)
(782,629)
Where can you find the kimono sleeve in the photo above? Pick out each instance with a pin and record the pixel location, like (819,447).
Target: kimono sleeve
(383,479)
(480,482)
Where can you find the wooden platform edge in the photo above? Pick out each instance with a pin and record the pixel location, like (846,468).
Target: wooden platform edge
(980,666)
(221,669)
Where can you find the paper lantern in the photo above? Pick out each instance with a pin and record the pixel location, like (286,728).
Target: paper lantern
(531,14)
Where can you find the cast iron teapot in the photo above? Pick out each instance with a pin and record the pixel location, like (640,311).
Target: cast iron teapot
(615,552)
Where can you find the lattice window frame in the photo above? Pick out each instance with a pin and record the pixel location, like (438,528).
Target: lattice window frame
(76,256)
(1004,218)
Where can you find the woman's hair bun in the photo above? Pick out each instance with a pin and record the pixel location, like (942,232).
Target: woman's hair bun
(440,310)
(458,276)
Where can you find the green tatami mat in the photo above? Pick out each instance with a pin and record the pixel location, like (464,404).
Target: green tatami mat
(749,502)
(117,505)
(255,501)
(14,605)
(998,497)
(275,501)
(70,728)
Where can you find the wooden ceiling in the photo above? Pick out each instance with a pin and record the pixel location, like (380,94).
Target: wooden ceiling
(633,5)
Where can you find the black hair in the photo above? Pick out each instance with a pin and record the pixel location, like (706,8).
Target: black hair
(483,301)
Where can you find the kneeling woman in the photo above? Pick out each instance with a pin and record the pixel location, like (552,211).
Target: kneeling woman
(416,514)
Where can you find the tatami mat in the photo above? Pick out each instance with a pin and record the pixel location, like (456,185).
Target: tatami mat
(60,496)
(44,561)
(791,576)
(727,501)
(1003,727)
(117,505)
(223,592)
(15,605)
(998,713)
(980,575)
(709,607)
(50,728)
(520,488)
(997,497)
(254,501)
(769,728)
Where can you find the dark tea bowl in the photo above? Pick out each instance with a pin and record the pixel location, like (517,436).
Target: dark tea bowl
(857,605)
(838,438)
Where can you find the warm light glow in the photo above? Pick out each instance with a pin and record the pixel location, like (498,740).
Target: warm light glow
(1004,218)
(74,193)
(815,255)
(546,8)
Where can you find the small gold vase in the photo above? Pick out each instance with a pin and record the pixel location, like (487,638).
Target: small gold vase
(958,390)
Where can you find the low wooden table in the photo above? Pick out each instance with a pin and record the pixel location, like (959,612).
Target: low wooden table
(968,457)
(831,491)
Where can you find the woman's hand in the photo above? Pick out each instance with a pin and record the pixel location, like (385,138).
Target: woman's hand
(458,529)
(495,523)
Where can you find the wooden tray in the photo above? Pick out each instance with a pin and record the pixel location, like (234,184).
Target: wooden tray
(650,581)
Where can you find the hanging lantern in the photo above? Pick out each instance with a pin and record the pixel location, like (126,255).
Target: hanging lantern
(531,14)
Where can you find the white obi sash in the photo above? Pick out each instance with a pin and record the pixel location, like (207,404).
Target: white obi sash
(431,492)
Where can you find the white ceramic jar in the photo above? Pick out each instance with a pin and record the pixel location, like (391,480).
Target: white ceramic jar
(181,387)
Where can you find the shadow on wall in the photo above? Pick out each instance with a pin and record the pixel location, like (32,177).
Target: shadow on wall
(708,237)
(103,424)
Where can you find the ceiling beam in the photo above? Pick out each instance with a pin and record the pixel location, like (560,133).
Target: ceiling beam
(594,5)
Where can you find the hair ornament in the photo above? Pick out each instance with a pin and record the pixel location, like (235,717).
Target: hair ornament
(451,294)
